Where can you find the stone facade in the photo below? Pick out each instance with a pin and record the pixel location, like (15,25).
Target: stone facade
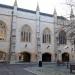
(16,50)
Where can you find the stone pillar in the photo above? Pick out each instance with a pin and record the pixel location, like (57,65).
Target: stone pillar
(52,57)
(59,57)
(39,56)
(12,59)
(33,57)
(54,33)
(13,34)
(17,55)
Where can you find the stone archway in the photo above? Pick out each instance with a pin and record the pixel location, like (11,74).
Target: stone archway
(46,57)
(65,57)
(2,56)
(26,56)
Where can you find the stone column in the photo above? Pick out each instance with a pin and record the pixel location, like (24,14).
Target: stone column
(39,56)
(59,55)
(33,57)
(54,33)
(13,34)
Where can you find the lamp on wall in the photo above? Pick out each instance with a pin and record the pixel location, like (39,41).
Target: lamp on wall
(66,47)
(25,45)
(48,47)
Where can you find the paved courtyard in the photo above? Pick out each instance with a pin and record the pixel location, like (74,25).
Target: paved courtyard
(17,69)
(33,69)
(50,69)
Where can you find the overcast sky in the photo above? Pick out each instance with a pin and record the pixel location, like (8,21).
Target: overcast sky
(46,6)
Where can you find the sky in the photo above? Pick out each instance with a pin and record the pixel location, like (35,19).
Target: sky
(46,6)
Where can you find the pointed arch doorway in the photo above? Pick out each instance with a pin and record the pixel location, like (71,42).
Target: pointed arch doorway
(26,56)
(46,57)
(65,57)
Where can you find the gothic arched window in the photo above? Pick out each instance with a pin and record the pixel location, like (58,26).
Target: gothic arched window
(26,34)
(2,30)
(46,38)
(62,37)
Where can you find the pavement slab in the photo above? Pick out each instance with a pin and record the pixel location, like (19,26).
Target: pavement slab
(49,70)
(7,69)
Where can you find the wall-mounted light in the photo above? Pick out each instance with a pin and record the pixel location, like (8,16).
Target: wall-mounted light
(66,47)
(48,47)
(25,45)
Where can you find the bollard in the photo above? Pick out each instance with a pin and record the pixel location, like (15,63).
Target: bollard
(40,63)
(67,65)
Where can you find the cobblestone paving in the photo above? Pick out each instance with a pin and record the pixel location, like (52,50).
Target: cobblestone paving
(50,70)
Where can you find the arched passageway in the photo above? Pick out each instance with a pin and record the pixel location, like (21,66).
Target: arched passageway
(2,56)
(65,57)
(26,56)
(46,57)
